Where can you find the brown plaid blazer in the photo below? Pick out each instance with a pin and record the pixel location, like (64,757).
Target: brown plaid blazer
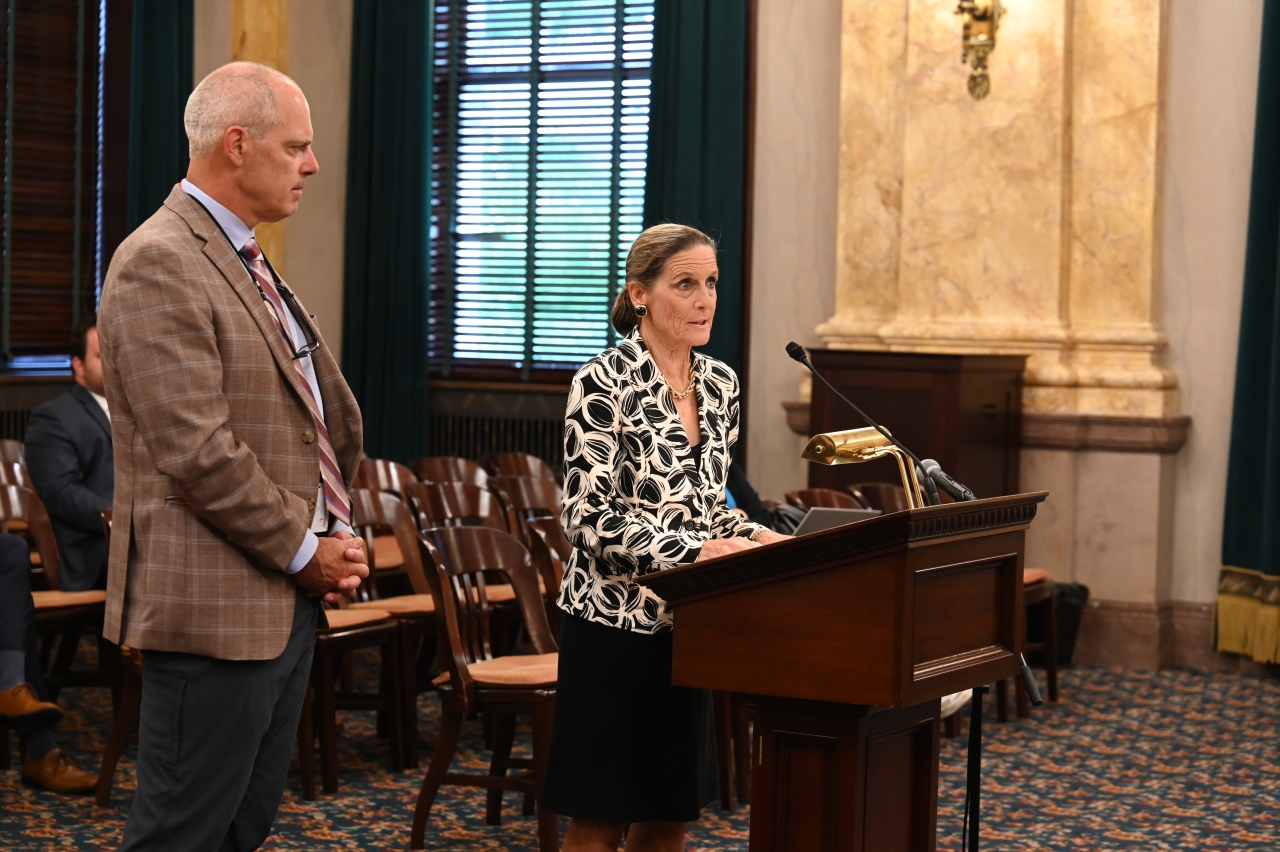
(216,462)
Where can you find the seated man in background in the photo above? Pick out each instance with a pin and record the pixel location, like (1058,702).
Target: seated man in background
(69,459)
(24,701)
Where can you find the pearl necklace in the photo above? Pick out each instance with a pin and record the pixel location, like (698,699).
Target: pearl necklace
(687,391)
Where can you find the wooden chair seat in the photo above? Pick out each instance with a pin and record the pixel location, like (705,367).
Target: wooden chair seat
(57,600)
(525,670)
(345,619)
(1031,576)
(386,552)
(398,605)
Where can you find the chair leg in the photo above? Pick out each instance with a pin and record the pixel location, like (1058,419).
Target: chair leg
(742,751)
(4,747)
(949,726)
(446,745)
(1050,620)
(126,724)
(307,747)
(109,663)
(504,734)
(548,823)
(68,643)
(409,696)
(724,747)
(325,679)
(392,705)
(1002,700)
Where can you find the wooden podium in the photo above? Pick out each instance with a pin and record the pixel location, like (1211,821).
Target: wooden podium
(844,641)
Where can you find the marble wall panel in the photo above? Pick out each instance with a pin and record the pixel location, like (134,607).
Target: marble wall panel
(872,108)
(982,180)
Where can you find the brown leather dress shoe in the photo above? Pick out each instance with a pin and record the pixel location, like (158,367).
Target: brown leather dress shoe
(22,709)
(59,773)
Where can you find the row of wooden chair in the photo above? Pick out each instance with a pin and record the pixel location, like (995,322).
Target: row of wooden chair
(386,475)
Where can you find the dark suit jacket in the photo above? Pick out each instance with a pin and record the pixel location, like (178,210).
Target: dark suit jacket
(69,458)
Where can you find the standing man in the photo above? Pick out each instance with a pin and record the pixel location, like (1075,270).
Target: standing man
(235,435)
(69,458)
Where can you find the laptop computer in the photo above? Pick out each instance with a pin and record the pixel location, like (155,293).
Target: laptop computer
(824,518)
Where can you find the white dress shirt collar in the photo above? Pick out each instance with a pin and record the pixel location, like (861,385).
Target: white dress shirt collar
(101,400)
(237,232)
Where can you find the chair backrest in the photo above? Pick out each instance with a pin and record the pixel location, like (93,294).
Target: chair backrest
(383,475)
(518,464)
(13,451)
(550,551)
(372,513)
(15,473)
(457,559)
(823,498)
(449,469)
(451,504)
(885,496)
(22,504)
(528,496)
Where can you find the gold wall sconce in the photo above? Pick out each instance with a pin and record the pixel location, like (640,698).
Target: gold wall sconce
(981,20)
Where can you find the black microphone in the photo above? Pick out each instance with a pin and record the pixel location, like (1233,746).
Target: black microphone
(797,353)
(933,470)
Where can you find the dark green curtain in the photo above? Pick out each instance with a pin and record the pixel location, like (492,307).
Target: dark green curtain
(1248,616)
(697,170)
(160,82)
(384,324)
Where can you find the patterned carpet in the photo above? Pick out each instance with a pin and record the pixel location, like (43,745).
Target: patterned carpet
(1127,761)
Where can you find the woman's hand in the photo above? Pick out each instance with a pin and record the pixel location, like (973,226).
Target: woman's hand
(769,537)
(724,546)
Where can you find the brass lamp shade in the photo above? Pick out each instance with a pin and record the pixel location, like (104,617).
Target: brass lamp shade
(848,447)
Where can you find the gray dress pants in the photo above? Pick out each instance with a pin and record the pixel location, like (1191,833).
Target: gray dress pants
(214,744)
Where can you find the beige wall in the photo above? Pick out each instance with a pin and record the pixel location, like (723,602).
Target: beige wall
(1212,90)
(319,59)
(794,252)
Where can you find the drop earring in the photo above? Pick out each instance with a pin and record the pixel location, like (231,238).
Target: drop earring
(641,311)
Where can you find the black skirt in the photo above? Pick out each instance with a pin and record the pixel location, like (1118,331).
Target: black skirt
(626,745)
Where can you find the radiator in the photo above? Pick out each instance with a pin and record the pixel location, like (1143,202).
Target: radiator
(476,437)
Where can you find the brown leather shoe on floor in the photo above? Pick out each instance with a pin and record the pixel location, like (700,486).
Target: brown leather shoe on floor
(22,709)
(59,773)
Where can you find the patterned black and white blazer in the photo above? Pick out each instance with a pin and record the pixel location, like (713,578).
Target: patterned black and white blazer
(637,497)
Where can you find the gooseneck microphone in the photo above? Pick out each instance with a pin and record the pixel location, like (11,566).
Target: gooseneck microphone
(797,353)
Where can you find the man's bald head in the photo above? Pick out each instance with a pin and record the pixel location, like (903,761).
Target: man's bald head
(237,94)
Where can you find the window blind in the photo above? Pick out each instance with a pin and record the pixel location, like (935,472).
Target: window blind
(541,127)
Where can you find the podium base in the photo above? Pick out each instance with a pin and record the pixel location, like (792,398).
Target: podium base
(843,778)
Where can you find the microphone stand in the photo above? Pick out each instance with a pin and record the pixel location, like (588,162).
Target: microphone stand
(932,477)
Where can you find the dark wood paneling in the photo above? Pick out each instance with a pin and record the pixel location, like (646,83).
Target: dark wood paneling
(962,410)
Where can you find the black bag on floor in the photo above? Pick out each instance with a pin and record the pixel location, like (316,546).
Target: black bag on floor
(1068,601)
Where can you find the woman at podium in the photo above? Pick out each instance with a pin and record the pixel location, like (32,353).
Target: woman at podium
(648,433)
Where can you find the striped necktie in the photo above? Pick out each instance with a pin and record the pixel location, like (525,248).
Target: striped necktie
(335,489)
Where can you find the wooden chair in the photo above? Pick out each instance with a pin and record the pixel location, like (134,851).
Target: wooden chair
(449,469)
(519,464)
(349,630)
(383,475)
(885,496)
(827,498)
(550,551)
(415,613)
(527,497)
(475,682)
(1037,590)
(58,613)
(450,504)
